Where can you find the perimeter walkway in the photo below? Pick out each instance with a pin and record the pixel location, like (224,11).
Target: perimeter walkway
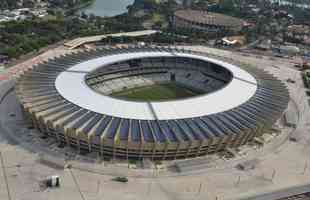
(83,40)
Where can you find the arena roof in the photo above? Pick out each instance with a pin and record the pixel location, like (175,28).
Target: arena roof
(209,18)
(61,99)
(71,85)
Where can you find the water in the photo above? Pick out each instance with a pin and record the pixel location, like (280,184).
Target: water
(108,8)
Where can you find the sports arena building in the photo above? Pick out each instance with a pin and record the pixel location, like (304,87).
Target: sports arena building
(72,99)
(206,21)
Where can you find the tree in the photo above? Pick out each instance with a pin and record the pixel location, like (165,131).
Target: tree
(84,15)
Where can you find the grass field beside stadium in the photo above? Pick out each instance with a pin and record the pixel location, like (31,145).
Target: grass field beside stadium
(158,92)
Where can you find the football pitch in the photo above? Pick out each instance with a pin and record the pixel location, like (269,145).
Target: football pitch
(158,92)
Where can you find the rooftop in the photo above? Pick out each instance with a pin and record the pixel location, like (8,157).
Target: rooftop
(70,84)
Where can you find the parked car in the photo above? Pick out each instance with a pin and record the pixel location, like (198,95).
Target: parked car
(122,179)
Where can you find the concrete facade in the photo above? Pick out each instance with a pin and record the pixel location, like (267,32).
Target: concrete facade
(125,138)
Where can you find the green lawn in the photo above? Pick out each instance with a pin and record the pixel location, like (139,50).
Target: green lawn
(159,92)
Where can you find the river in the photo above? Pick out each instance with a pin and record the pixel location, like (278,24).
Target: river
(108,8)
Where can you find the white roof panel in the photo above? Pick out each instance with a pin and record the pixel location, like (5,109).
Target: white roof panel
(71,85)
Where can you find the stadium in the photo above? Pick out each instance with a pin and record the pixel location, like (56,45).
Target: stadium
(206,21)
(150,102)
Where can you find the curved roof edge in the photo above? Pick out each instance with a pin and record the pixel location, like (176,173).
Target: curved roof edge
(71,85)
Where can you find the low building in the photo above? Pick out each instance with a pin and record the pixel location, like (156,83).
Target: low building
(299,34)
(287,50)
(233,41)
(290,119)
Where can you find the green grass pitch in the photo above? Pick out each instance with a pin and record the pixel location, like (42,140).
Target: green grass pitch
(158,92)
